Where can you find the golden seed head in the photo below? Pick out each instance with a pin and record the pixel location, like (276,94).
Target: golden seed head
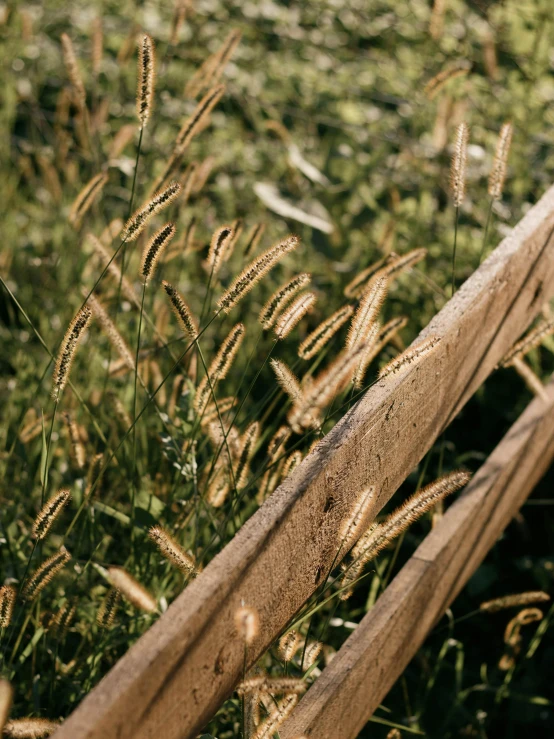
(287,380)
(197,119)
(63,618)
(280,298)
(140,218)
(7,601)
(77,448)
(30,728)
(459,165)
(111,331)
(131,589)
(73,72)
(247,623)
(218,246)
(67,350)
(219,367)
(497,176)
(458,68)
(154,248)
(48,569)
(531,340)
(253,239)
(106,613)
(288,644)
(436,26)
(398,263)
(49,513)
(282,710)
(312,652)
(86,198)
(358,285)
(291,463)
(305,413)
(371,344)
(254,272)
(357,521)
(321,335)
(169,549)
(146,77)
(511,601)
(278,441)
(272,685)
(292,316)
(212,68)
(248,447)
(181,310)
(367,311)
(410,356)
(378,537)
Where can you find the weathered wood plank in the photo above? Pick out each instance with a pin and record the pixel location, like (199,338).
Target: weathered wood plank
(182,669)
(365,668)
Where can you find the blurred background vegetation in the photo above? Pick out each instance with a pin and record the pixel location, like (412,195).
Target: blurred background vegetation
(326,111)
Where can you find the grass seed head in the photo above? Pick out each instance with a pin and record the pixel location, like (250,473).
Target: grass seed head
(141,217)
(67,350)
(367,311)
(323,333)
(154,249)
(146,79)
(49,513)
(517,599)
(30,728)
(218,246)
(46,572)
(282,710)
(410,356)
(111,331)
(172,551)
(219,367)
(7,601)
(181,310)
(131,589)
(292,316)
(378,537)
(254,272)
(86,198)
(287,380)
(459,165)
(108,608)
(73,71)
(288,644)
(280,298)
(497,176)
(247,622)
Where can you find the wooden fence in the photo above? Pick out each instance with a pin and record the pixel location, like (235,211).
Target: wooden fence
(176,676)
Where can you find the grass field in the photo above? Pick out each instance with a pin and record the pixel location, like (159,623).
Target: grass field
(336,124)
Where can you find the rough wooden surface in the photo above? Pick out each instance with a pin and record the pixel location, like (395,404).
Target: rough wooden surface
(188,663)
(365,668)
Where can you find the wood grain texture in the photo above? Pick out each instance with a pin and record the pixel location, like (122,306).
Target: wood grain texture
(188,663)
(368,664)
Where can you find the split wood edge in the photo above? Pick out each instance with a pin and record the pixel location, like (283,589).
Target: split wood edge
(188,663)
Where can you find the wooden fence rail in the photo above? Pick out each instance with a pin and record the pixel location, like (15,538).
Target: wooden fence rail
(188,663)
(367,665)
